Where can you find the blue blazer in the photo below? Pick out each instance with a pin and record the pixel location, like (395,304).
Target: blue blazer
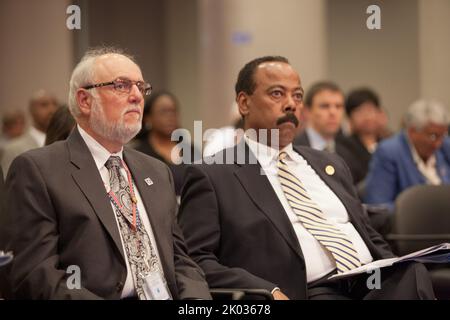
(392,170)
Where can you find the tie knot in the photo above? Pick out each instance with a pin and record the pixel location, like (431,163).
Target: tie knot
(113,161)
(282,156)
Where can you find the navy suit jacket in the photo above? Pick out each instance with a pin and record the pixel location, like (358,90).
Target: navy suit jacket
(392,170)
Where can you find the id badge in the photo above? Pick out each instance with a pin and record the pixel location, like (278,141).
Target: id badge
(155,287)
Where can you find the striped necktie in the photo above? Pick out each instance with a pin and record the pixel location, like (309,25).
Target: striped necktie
(315,221)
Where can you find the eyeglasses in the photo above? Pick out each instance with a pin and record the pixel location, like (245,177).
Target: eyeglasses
(433,137)
(124,86)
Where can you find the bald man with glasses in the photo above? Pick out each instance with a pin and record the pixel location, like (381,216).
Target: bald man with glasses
(90,218)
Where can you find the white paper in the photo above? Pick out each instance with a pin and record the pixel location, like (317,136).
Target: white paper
(389,262)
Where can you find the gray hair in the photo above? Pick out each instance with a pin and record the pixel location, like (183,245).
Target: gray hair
(423,112)
(84,72)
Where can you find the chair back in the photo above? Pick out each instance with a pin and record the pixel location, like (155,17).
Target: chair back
(422,217)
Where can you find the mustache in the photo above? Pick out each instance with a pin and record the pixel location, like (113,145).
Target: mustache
(135,108)
(288,117)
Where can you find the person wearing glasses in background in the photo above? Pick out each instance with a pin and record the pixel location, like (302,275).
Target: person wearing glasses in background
(417,155)
(90,218)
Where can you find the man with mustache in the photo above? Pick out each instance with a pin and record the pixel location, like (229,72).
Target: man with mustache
(289,220)
(90,218)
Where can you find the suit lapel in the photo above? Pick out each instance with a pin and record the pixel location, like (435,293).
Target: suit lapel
(319,165)
(91,185)
(260,191)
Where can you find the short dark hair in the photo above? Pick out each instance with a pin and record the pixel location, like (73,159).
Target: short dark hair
(359,96)
(60,126)
(245,82)
(318,87)
(150,102)
(148,108)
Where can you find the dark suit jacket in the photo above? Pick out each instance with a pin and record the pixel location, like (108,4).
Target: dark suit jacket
(178,171)
(344,150)
(238,232)
(393,170)
(60,215)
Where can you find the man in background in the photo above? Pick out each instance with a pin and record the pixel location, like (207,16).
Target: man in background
(324,112)
(42,106)
(415,156)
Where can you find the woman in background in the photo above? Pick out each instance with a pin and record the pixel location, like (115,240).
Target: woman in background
(161,118)
(60,126)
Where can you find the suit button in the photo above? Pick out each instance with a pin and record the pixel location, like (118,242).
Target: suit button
(119,286)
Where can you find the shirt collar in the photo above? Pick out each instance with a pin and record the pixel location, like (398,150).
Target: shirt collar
(266,154)
(315,139)
(431,162)
(99,153)
(37,135)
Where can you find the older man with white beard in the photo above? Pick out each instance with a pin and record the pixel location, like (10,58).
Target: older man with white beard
(88,218)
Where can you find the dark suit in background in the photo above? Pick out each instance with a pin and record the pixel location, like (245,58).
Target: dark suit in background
(344,150)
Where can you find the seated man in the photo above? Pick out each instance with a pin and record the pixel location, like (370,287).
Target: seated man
(290,219)
(415,156)
(42,107)
(367,123)
(324,112)
(90,218)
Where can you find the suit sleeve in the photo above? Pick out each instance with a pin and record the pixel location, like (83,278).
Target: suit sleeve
(381,183)
(199,218)
(31,227)
(190,277)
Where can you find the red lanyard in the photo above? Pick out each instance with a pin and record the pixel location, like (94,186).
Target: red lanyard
(132,195)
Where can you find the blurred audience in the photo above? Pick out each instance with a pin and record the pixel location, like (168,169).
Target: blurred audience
(42,106)
(368,125)
(13,126)
(324,112)
(60,126)
(414,156)
(161,118)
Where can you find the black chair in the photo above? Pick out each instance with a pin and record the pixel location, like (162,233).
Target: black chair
(421,220)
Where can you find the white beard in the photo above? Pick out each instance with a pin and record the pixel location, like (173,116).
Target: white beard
(118,131)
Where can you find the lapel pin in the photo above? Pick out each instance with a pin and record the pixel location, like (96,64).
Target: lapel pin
(329,170)
(148,181)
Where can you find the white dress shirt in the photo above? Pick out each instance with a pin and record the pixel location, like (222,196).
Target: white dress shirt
(427,169)
(101,155)
(37,135)
(318,142)
(319,261)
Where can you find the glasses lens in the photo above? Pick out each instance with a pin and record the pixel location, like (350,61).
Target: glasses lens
(122,85)
(147,89)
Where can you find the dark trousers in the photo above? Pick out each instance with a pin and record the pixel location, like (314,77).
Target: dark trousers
(407,281)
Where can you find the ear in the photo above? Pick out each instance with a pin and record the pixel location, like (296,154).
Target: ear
(84,100)
(242,101)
